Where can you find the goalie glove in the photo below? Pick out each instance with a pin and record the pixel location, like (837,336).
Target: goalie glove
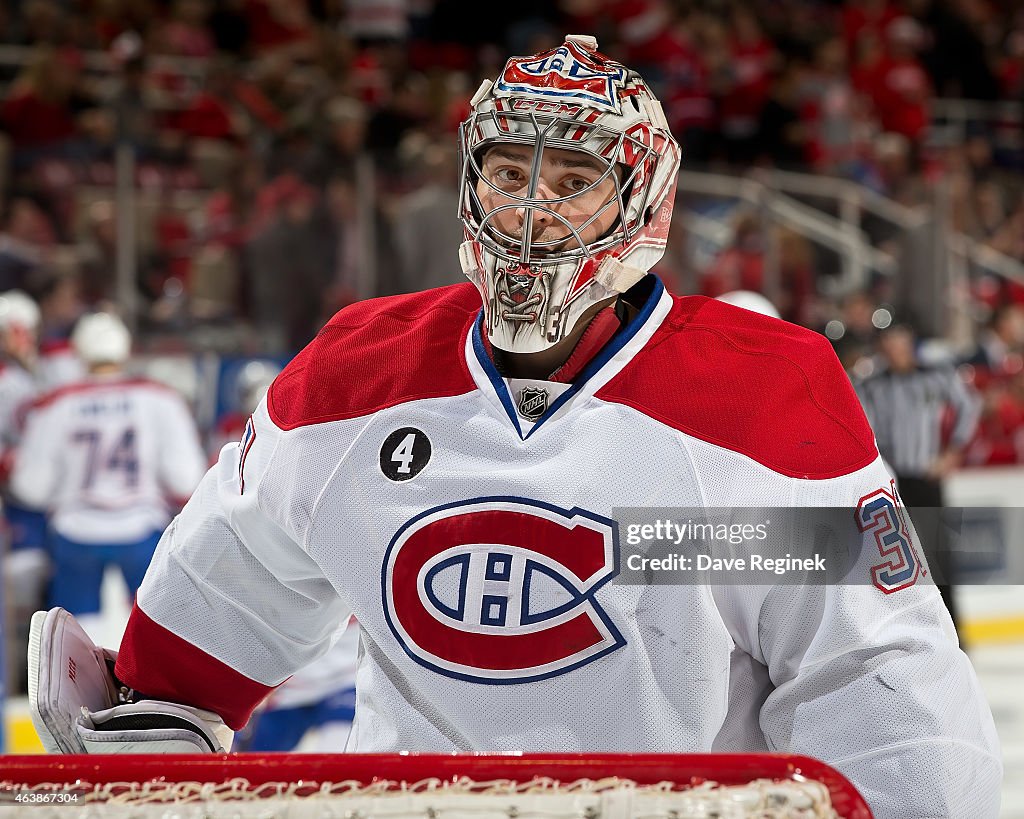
(151,727)
(78,706)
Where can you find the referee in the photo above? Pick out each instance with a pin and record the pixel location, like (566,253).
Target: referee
(907,403)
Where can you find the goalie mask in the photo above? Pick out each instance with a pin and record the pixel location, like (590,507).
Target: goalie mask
(568,180)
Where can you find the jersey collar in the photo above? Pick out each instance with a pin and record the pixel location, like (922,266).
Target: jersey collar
(609,360)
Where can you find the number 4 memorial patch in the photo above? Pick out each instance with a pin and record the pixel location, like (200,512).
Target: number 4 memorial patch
(248,437)
(404,453)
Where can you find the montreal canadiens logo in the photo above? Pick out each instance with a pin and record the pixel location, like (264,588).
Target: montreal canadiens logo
(567,72)
(501,590)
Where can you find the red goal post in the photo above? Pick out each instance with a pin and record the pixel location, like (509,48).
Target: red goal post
(434,786)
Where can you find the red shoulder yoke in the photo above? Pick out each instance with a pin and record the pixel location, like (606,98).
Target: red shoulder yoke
(761,387)
(377,354)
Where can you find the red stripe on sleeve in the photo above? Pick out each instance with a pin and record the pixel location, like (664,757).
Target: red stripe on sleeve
(163,666)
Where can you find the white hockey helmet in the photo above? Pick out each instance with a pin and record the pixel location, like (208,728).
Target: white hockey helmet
(101,338)
(749,300)
(570,98)
(17,309)
(252,383)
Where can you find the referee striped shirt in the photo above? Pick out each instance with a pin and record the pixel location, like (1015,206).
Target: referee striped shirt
(906,412)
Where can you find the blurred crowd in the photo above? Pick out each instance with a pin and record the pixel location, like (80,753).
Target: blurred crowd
(293,156)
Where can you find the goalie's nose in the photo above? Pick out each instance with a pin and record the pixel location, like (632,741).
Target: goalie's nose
(541,217)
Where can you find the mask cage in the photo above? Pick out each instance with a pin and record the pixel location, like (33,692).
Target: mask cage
(632,192)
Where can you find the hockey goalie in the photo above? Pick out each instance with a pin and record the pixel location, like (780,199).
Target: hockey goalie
(448,465)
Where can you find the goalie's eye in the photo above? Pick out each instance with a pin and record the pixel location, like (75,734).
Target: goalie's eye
(508,167)
(576,184)
(509,178)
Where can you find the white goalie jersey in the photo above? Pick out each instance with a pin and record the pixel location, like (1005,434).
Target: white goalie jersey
(108,458)
(388,474)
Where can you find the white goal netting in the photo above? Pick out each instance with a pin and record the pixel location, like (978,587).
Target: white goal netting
(460,787)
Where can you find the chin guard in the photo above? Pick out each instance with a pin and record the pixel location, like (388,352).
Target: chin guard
(529,310)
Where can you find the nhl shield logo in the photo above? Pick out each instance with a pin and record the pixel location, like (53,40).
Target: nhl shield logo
(533,402)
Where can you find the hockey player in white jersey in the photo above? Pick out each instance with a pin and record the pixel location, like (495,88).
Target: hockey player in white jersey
(451,476)
(59,364)
(25,565)
(108,459)
(19,328)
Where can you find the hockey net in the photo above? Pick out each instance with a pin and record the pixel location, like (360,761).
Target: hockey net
(427,786)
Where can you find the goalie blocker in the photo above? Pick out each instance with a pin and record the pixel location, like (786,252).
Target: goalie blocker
(79,707)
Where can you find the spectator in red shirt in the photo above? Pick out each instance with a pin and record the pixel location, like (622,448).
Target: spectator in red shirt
(1011,70)
(186,34)
(279,25)
(867,63)
(753,61)
(865,17)
(904,90)
(831,110)
(686,93)
(999,439)
(36,112)
(740,266)
(210,114)
(640,26)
